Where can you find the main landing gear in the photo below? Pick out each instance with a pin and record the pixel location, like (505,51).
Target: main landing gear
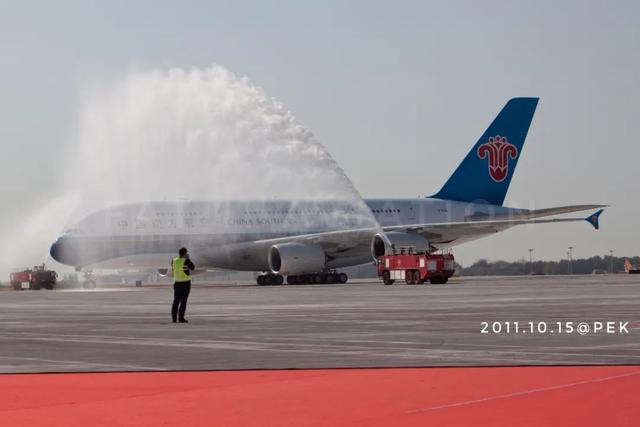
(317,278)
(303,279)
(270,279)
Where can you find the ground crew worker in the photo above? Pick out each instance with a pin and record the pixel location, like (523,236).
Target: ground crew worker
(181,267)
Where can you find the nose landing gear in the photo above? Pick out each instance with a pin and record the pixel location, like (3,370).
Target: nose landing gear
(89,281)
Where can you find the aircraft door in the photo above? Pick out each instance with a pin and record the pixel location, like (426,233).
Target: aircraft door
(412,212)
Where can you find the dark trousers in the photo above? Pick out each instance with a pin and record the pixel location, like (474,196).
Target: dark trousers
(180,295)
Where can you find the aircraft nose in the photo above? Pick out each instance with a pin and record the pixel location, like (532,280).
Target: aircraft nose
(61,252)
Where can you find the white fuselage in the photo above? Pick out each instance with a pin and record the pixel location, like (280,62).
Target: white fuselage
(227,234)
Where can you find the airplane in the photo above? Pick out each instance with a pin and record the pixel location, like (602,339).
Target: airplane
(308,240)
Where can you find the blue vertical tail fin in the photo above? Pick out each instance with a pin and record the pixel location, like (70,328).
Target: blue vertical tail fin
(485,173)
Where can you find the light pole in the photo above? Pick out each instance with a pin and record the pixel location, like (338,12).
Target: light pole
(530,261)
(611,261)
(570,255)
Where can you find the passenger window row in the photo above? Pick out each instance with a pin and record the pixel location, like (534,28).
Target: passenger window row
(386,210)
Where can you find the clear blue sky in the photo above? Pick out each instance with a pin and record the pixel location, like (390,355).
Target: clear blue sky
(406,84)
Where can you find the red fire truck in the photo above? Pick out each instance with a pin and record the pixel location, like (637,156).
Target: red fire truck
(36,278)
(415,267)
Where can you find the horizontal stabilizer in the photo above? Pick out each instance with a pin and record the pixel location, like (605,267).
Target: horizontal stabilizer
(485,214)
(595,219)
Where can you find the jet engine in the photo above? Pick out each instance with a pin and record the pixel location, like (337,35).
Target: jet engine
(296,258)
(381,243)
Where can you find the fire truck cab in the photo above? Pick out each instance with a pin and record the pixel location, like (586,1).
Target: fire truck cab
(415,267)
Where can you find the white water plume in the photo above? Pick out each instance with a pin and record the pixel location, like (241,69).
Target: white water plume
(199,134)
(26,240)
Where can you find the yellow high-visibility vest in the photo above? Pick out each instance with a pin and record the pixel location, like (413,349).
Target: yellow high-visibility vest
(179,275)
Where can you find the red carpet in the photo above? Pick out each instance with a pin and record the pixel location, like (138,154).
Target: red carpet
(532,396)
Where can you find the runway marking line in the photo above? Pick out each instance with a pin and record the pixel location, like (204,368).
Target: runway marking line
(525,392)
(523,396)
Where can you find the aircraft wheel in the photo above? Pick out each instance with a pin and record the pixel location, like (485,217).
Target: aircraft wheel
(260,280)
(278,280)
(342,278)
(330,278)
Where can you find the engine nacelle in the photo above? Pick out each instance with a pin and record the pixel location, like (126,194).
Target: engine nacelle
(296,258)
(381,243)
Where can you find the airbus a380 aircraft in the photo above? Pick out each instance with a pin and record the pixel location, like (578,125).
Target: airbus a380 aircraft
(308,240)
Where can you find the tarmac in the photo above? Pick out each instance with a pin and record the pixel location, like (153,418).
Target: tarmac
(359,324)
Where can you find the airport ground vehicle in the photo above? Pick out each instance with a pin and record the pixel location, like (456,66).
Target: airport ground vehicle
(630,269)
(415,267)
(35,278)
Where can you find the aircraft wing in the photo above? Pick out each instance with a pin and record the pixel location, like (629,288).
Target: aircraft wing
(331,241)
(436,233)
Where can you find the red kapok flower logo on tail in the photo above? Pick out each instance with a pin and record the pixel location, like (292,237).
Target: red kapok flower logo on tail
(498,150)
